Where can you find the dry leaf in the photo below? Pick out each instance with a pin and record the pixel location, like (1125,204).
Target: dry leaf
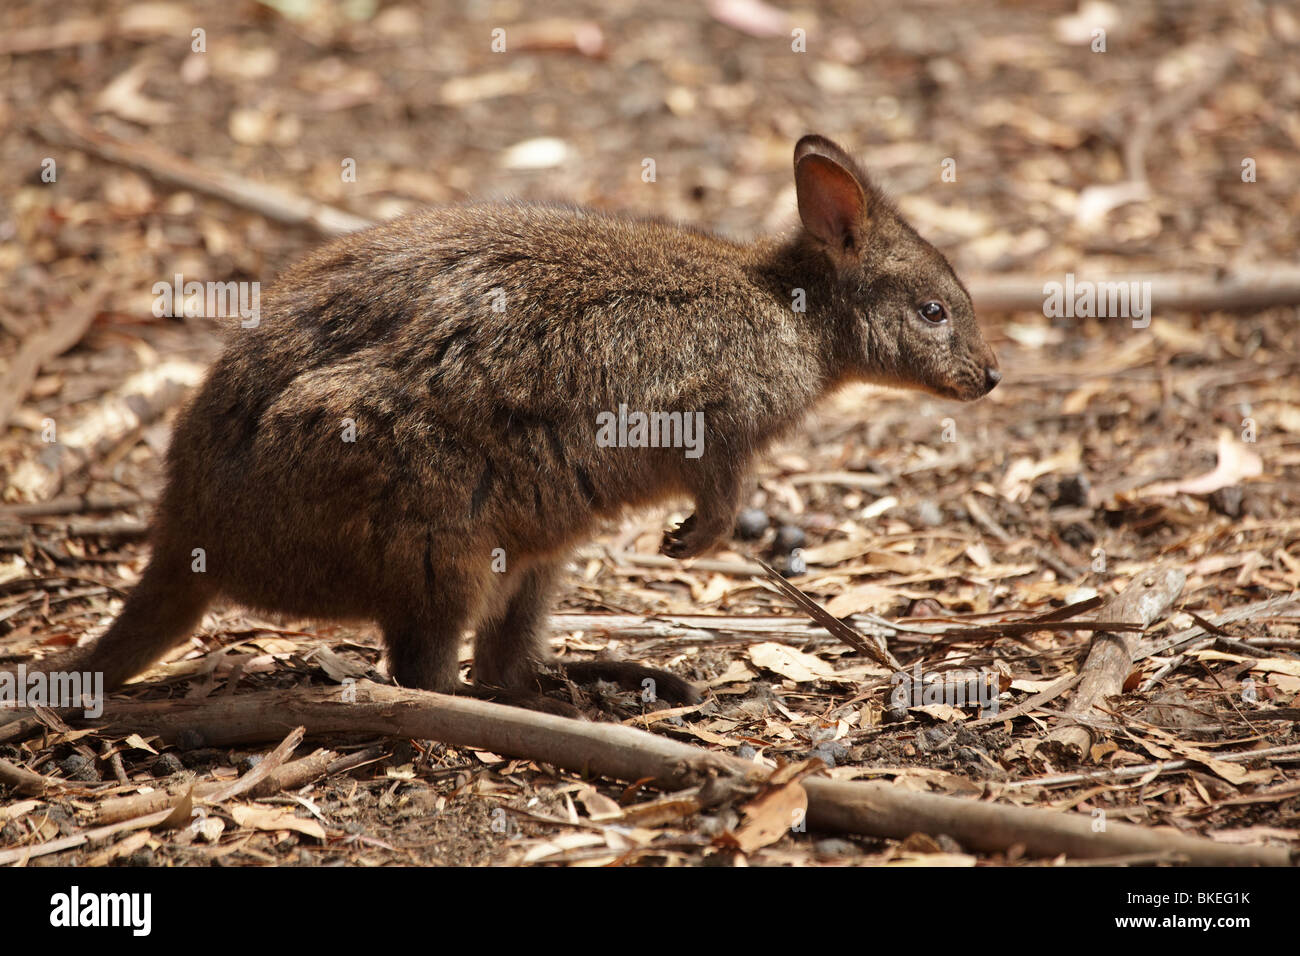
(788,662)
(863,597)
(259,817)
(1236,462)
(137,742)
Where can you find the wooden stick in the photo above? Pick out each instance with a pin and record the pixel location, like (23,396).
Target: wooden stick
(1110,656)
(625,753)
(834,625)
(168,167)
(24,853)
(24,781)
(1278,285)
(69,505)
(1157,768)
(290,776)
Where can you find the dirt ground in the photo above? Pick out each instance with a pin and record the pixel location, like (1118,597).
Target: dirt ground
(1107,451)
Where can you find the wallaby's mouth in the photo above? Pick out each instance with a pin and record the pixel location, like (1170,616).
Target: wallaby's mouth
(969,392)
(956,393)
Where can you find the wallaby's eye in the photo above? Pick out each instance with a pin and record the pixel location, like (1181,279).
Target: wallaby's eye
(933,312)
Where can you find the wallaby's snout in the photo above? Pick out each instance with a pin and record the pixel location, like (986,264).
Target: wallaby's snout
(991,373)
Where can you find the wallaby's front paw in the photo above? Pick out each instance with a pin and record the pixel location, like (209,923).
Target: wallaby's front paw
(688,540)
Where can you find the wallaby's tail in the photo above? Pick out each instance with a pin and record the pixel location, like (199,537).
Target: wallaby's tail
(160,613)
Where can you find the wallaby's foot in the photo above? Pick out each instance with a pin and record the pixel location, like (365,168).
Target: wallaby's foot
(652,683)
(689,539)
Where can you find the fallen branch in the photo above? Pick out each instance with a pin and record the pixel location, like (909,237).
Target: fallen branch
(290,776)
(225,791)
(24,781)
(624,753)
(1253,611)
(1110,656)
(69,505)
(115,421)
(168,167)
(1154,769)
(24,853)
(134,23)
(1278,284)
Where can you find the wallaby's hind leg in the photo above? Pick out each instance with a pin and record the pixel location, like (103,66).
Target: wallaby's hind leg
(423,650)
(159,613)
(509,646)
(423,625)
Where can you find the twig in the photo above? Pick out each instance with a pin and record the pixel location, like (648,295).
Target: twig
(24,853)
(24,781)
(1048,694)
(624,753)
(712,565)
(1194,638)
(69,505)
(1110,656)
(290,776)
(1176,105)
(168,167)
(829,621)
(1141,770)
(1275,284)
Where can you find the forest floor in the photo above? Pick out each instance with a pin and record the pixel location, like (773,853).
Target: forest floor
(1108,451)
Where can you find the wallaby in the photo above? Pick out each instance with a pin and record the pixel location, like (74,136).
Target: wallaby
(419,429)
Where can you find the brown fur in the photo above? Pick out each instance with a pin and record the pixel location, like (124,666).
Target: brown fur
(475,428)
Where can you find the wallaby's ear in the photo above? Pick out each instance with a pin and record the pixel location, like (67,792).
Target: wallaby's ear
(832,195)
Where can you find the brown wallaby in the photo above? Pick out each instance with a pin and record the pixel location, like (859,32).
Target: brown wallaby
(421,426)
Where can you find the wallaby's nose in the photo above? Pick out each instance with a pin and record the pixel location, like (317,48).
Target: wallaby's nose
(991,378)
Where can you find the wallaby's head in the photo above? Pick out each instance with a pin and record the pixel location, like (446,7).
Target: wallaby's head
(910,320)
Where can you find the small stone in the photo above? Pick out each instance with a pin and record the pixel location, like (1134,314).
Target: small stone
(751,523)
(166,765)
(834,847)
(1228,501)
(788,538)
(939,737)
(1072,491)
(792,566)
(189,740)
(203,758)
(929,514)
(829,752)
(248,762)
(79,767)
(141,858)
(948,844)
